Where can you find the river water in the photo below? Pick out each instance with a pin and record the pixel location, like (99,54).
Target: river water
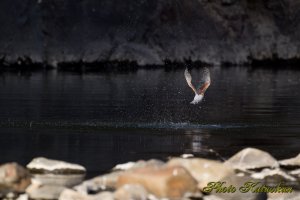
(104,118)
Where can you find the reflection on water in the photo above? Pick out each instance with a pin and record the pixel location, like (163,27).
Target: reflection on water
(100,119)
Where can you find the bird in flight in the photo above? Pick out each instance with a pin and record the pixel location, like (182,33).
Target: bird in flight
(204,83)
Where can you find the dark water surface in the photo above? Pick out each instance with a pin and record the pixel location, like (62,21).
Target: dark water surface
(102,119)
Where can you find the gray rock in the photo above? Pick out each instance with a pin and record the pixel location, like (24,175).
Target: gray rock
(55,172)
(139,164)
(251,159)
(295,173)
(68,180)
(45,165)
(273,176)
(291,163)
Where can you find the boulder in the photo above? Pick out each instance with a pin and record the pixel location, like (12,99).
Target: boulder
(139,164)
(97,184)
(252,159)
(166,181)
(45,192)
(51,177)
(103,196)
(45,165)
(68,180)
(109,181)
(55,172)
(271,176)
(13,178)
(203,170)
(131,192)
(69,194)
(23,197)
(295,173)
(291,162)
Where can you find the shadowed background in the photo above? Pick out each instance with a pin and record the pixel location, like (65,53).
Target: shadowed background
(149,31)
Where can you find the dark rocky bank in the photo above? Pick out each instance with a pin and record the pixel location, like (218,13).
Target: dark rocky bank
(149,32)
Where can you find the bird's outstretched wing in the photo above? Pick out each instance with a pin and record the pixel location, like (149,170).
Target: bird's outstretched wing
(205,80)
(188,79)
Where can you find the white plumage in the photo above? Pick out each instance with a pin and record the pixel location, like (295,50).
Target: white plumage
(204,83)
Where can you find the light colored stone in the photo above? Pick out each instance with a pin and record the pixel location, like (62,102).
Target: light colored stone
(153,197)
(212,197)
(251,158)
(45,192)
(69,194)
(109,181)
(139,164)
(295,173)
(10,196)
(23,197)
(292,162)
(41,164)
(131,192)
(68,180)
(95,185)
(273,176)
(187,155)
(203,170)
(13,178)
(169,181)
(54,172)
(124,166)
(103,196)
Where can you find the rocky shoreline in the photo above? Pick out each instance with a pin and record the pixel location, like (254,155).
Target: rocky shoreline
(249,174)
(149,32)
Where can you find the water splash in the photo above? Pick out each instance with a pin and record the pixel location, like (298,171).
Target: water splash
(100,125)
